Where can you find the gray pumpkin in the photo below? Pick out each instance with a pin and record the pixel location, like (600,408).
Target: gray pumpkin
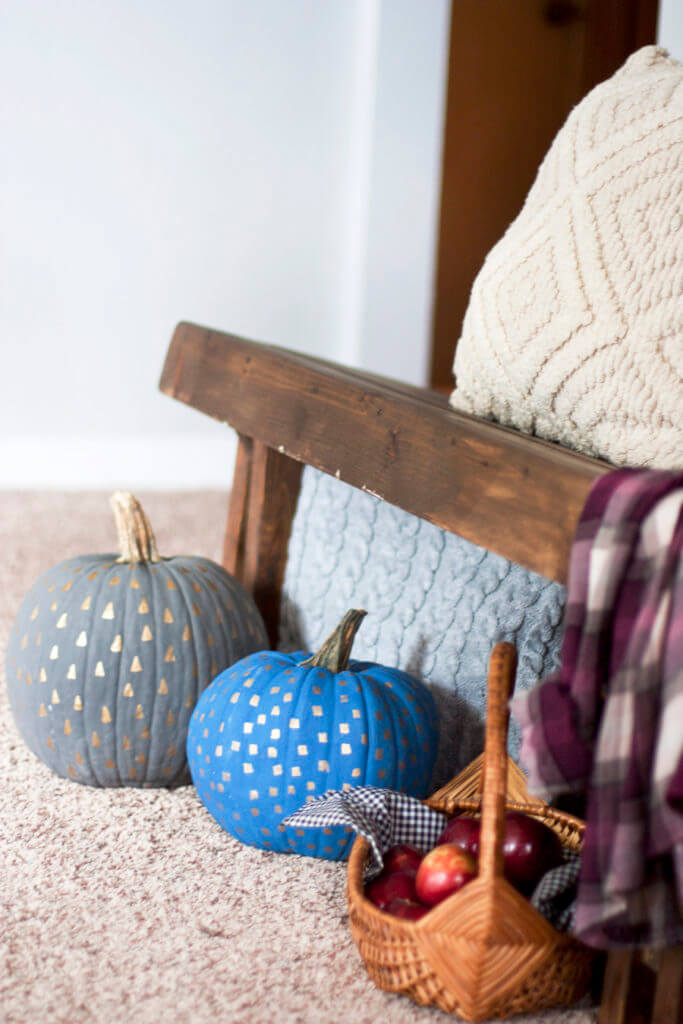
(109,654)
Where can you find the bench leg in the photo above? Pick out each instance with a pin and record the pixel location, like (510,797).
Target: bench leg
(643,987)
(668,1002)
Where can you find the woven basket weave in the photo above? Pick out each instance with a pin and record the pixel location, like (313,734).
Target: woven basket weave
(485,951)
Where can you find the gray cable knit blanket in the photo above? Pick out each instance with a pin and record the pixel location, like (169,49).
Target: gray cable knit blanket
(436,604)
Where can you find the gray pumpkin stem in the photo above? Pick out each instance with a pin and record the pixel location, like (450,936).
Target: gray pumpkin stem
(136,539)
(335,652)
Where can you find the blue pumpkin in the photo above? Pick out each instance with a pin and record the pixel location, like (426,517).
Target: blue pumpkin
(277,730)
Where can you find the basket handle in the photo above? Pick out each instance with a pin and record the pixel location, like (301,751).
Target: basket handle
(501,683)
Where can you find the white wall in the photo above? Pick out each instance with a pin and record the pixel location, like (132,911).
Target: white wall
(267,168)
(670,27)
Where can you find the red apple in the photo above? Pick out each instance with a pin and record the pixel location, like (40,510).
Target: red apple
(408,909)
(402,857)
(530,849)
(464,832)
(443,871)
(389,886)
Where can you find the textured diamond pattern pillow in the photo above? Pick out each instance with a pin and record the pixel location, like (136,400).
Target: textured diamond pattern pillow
(574,329)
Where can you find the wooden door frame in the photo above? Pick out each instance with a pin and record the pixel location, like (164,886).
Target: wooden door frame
(613,30)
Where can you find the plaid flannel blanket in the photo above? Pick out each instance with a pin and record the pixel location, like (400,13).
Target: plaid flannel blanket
(610,722)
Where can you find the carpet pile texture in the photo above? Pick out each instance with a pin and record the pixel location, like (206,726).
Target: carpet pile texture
(131,905)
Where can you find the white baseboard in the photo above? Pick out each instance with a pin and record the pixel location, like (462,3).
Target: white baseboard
(126,463)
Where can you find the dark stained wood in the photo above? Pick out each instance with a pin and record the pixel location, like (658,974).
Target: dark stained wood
(615,992)
(516,495)
(668,1001)
(515,71)
(513,76)
(511,493)
(613,30)
(271,504)
(233,545)
(643,986)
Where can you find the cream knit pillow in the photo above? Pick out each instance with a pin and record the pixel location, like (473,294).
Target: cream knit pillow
(574,329)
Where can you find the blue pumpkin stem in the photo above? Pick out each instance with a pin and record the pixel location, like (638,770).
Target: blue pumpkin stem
(136,538)
(335,652)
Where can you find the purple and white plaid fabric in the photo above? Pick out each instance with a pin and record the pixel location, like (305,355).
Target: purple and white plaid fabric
(610,722)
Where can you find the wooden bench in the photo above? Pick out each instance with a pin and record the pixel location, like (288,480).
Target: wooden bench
(518,496)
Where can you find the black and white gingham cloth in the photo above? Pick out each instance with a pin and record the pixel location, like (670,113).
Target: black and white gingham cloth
(385,818)
(382,816)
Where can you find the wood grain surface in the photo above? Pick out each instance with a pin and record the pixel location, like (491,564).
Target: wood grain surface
(515,495)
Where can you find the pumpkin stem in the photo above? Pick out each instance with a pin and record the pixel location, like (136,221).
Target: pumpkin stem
(136,538)
(335,652)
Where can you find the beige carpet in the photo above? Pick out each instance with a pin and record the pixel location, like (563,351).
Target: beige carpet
(133,905)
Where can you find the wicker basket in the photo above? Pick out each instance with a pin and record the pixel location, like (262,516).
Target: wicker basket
(485,951)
